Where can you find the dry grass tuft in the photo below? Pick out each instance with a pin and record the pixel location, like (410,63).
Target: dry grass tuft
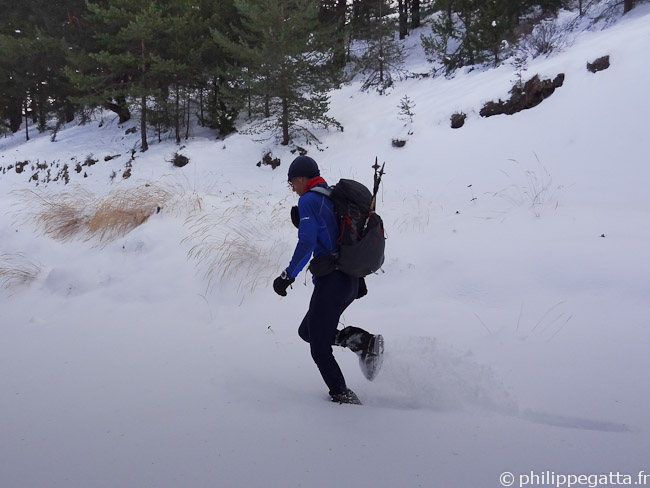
(241,239)
(534,189)
(61,217)
(182,199)
(17,270)
(80,214)
(417,216)
(122,211)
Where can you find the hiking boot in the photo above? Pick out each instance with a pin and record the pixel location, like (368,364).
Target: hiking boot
(354,338)
(348,396)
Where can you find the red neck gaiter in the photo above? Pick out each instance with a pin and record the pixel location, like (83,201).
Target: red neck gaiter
(313,182)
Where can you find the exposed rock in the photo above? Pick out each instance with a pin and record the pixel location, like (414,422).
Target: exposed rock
(531,94)
(458,120)
(600,64)
(20,166)
(179,160)
(301,150)
(269,160)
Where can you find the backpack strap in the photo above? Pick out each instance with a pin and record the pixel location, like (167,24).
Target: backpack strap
(323,191)
(328,193)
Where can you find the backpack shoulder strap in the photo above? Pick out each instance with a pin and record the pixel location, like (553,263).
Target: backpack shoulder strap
(323,191)
(328,193)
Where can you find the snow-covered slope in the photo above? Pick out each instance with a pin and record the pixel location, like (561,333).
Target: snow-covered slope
(514,300)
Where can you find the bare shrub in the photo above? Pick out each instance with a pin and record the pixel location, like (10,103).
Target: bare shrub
(546,38)
(17,270)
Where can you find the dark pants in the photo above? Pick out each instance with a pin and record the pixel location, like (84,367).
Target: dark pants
(332,295)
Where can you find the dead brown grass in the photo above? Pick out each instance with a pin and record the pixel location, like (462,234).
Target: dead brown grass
(60,217)
(79,214)
(122,211)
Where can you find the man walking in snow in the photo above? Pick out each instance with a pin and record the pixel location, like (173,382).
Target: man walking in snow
(318,230)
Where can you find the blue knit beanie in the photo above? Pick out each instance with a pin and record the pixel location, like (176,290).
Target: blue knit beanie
(303,166)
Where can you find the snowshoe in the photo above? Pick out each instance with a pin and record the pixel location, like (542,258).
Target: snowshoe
(348,396)
(371,359)
(369,348)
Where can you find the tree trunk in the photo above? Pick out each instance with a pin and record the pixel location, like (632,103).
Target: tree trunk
(341,9)
(143,123)
(381,62)
(285,122)
(122,112)
(69,111)
(15,114)
(143,111)
(415,14)
(357,19)
(403,19)
(467,38)
(201,106)
(120,109)
(177,121)
(627,5)
(26,121)
(187,127)
(340,51)
(450,17)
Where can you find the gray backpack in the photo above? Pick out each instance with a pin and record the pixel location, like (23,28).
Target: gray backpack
(361,237)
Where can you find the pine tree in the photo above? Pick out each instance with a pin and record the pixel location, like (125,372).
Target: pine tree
(467,32)
(32,57)
(406,114)
(493,25)
(283,60)
(364,13)
(206,82)
(18,80)
(383,59)
(445,32)
(147,55)
(334,14)
(406,107)
(468,14)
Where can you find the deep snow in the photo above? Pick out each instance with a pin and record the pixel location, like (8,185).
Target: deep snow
(514,299)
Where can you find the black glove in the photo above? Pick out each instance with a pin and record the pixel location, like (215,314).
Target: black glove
(281,283)
(295,217)
(363,289)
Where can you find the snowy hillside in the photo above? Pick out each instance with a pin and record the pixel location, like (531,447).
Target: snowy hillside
(514,300)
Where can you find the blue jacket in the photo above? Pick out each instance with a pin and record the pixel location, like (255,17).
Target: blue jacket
(318,222)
